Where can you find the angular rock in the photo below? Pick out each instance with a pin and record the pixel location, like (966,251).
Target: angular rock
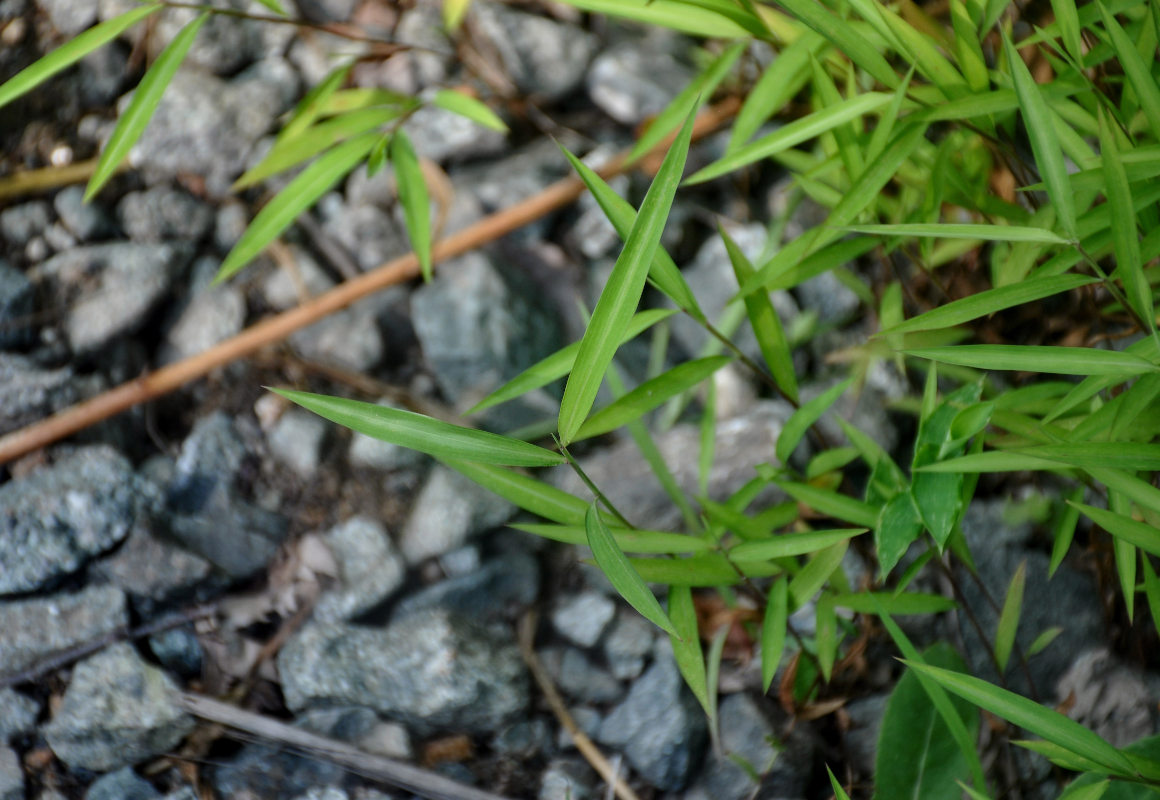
(1109,697)
(449,510)
(370,569)
(18,714)
(178,650)
(659,727)
(124,784)
(16,303)
(206,514)
(629,641)
(544,58)
(19,224)
(34,628)
(501,589)
(213,314)
(579,678)
(11,775)
(368,232)
(161,213)
(261,771)
(583,617)
(57,518)
(631,83)
(117,711)
(431,669)
(207,127)
(745,737)
(297,440)
(478,329)
(29,392)
(442,136)
(70,17)
(622,474)
(350,338)
(151,567)
(87,278)
(84,220)
(415,70)
(524,738)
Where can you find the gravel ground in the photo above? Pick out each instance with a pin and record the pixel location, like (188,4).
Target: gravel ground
(341,585)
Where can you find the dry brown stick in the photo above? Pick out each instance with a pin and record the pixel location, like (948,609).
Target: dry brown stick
(404,776)
(585,745)
(156,384)
(45,178)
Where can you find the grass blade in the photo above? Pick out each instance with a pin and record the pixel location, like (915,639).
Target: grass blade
(799,423)
(816,572)
(628,540)
(1139,76)
(780,82)
(1063,531)
(990,301)
(832,504)
(145,99)
(790,544)
(528,493)
(649,395)
(1027,714)
(413,197)
(307,187)
(70,52)
(1009,617)
(311,106)
(673,14)
(853,44)
(1034,358)
(620,573)
(766,325)
(687,644)
(1134,532)
(1044,139)
(773,630)
(622,292)
(464,106)
(794,133)
(988,233)
(417,432)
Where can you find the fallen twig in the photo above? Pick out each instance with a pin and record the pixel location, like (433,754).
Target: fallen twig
(157,384)
(404,776)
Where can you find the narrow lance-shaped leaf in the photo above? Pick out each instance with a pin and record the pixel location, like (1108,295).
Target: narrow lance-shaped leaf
(1067,18)
(470,108)
(1027,714)
(799,423)
(629,540)
(781,80)
(1064,530)
(687,644)
(989,233)
(649,395)
(620,572)
(1140,534)
(847,40)
(766,325)
(1044,140)
(832,504)
(622,293)
(70,52)
(1138,73)
(1034,358)
(790,544)
(968,50)
(810,578)
(413,198)
(145,99)
(311,183)
(690,99)
(1125,241)
(526,492)
(417,432)
(1009,617)
(773,630)
(312,104)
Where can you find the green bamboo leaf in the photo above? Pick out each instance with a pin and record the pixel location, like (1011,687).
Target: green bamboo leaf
(987,233)
(311,105)
(786,272)
(417,432)
(274,6)
(1009,617)
(701,569)
(1067,18)
(1027,714)
(773,630)
(973,106)
(1054,360)
(991,461)
(620,573)
(832,504)
(629,540)
(963,727)
(918,756)
(413,198)
(848,41)
(867,188)
(990,301)
(622,292)
(968,50)
(790,544)
(307,187)
(1151,592)
(1064,530)
(804,417)
(560,363)
(810,578)
(679,16)
(1060,756)
(140,110)
(689,101)
(763,317)
(778,84)
(1125,556)
(70,52)
(290,152)
(920,50)
(1043,640)
(839,792)
(1079,455)
(1091,791)
(898,526)
(1138,491)
(1137,72)
(469,107)
(1044,139)
(1140,534)
(794,133)
(1125,240)
(829,461)
(906,603)
(1136,401)
(825,636)
(649,395)
(844,136)
(708,438)
(453,13)
(687,645)
(663,271)
(530,494)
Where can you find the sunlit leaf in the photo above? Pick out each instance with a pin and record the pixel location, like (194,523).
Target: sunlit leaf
(469,107)
(1034,358)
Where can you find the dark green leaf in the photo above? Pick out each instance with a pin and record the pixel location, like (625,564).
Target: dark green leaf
(620,573)
(413,198)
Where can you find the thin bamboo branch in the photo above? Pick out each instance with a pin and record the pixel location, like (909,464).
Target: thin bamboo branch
(273,329)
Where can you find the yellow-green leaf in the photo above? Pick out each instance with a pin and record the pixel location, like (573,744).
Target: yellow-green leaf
(413,198)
